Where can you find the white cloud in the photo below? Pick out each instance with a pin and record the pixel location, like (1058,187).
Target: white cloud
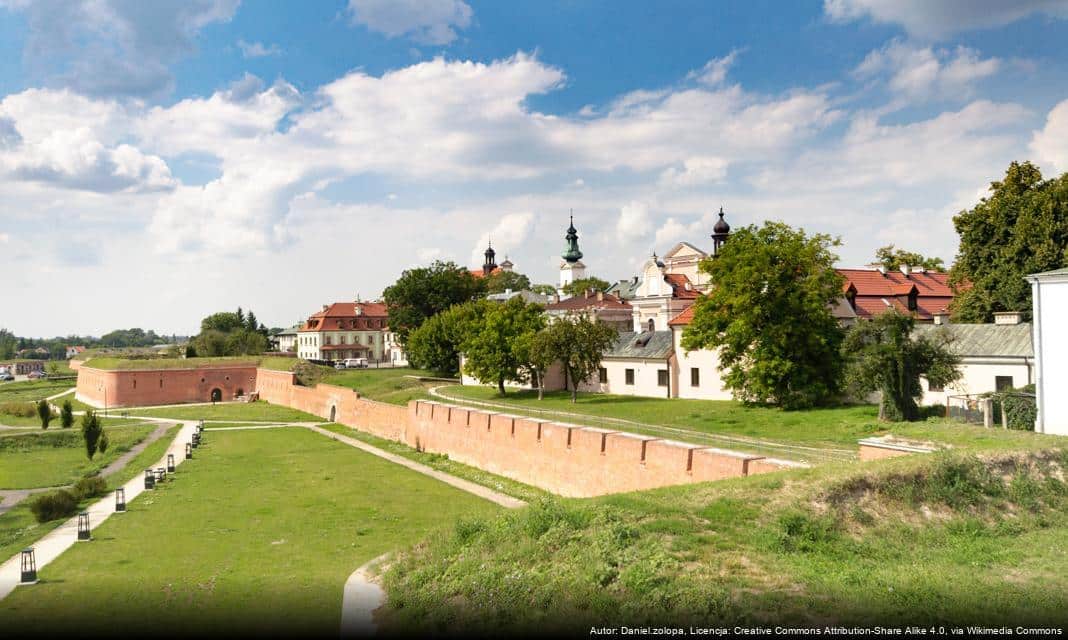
(1050,144)
(112,47)
(715,70)
(937,19)
(5,238)
(695,171)
(633,223)
(430,22)
(507,235)
(257,49)
(918,74)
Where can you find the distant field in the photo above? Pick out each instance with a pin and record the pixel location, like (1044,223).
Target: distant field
(392,385)
(229,412)
(32,389)
(190,556)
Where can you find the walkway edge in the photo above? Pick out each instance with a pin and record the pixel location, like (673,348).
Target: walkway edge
(361,598)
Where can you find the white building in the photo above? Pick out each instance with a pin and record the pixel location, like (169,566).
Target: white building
(1050,304)
(345,330)
(697,371)
(993,357)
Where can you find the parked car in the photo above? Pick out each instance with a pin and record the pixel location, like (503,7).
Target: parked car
(37,375)
(339,365)
(6,376)
(356,363)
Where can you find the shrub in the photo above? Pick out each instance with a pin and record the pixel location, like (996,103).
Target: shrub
(44,412)
(89,487)
(52,506)
(66,416)
(19,409)
(804,532)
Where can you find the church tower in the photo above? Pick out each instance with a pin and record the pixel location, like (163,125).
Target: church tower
(571,268)
(719,233)
(490,263)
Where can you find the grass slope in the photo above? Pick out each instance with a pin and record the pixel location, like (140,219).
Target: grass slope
(938,539)
(32,389)
(57,457)
(229,412)
(257,534)
(395,386)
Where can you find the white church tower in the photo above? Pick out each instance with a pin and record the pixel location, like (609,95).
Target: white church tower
(571,267)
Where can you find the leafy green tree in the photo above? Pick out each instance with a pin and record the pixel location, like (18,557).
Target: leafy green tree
(438,342)
(578,287)
(244,342)
(543,289)
(539,351)
(884,355)
(495,347)
(66,415)
(44,412)
(502,281)
(424,292)
(223,322)
(8,344)
(893,258)
(768,314)
(579,344)
(91,430)
(1019,229)
(103,443)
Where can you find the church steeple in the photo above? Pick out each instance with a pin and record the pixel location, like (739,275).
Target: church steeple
(571,249)
(490,264)
(719,233)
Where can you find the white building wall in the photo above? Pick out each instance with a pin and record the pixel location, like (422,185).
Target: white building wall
(710,385)
(1051,353)
(645,378)
(979,376)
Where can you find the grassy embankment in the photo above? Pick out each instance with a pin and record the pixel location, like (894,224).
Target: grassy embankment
(395,385)
(257,534)
(57,457)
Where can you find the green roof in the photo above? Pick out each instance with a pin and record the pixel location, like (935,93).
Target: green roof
(990,340)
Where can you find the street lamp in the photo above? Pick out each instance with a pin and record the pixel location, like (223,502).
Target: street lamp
(188,451)
(83,526)
(29,567)
(120,500)
(170,463)
(161,473)
(150,479)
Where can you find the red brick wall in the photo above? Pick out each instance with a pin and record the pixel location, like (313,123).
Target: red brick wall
(136,388)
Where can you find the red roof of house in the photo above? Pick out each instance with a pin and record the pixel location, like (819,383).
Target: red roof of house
(342,316)
(481,273)
(683,319)
(680,286)
(877,292)
(589,300)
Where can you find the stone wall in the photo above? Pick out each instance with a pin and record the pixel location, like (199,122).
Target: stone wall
(147,387)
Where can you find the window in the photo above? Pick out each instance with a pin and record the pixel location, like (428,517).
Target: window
(695,377)
(662,377)
(1003,383)
(934,387)
(652,325)
(912,301)
(602,375)
(629,376)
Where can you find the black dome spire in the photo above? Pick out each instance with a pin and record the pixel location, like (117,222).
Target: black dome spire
(719,233)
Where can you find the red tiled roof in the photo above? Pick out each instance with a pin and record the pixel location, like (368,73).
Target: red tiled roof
(877,292)
(481,273)
(683,319)
(679,288)
(342,316)
(589,301)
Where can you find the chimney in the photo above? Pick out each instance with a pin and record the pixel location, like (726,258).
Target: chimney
(882,269)
(600,296)
(1007,317)
(325,307)
(507,292)
(586,293)
(941,318)
(556,298)
(906,269)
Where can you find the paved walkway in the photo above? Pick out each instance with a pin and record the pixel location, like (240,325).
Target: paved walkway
(362,596)
(63,537)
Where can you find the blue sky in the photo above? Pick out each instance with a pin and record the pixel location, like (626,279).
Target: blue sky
(179,157)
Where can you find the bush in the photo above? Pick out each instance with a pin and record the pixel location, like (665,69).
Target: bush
(44,412)
(804,532)
(66,416)
(52,506)
(89,487)
(19,409)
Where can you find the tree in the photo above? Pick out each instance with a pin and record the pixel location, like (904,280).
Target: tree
(91,430)
(578,287)
(66,415)
(44,412)
(768,313)
(223,322)
(883,355)
(579,344)
(892,259)
(540,351)
(52,368)
(495,348)
(543,289)
(502,281)
(438,342)
(424,292)
(103,443)
(1019,229)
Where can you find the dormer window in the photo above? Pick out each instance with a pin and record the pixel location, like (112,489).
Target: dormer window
(912,300)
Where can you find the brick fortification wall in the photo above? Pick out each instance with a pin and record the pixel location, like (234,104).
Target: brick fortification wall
(146,387)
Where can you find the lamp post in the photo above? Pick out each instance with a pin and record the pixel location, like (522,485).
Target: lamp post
(188,451)
(170,463)
(120,500)
(83,526)
(29,567)
(161,473)
(150,479)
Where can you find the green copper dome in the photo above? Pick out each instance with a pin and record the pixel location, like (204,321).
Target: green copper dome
(571,250)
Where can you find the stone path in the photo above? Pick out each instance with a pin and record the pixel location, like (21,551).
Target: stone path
(63,537)
(362,596)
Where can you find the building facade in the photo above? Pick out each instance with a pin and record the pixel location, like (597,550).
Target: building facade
(1050,311)
(345,330)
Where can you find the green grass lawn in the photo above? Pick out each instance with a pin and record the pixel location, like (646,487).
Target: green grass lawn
(831,428)
(257,534)
(116,363)
(57,457)
(937,539)
(32,389)
(229,412)
(385,385)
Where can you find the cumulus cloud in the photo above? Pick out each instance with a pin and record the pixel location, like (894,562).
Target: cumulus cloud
(695,171)
(508,234)
(633,223)
(429,22)
(112,47)
(5,238)
(934,20)
(1050,144)
(257,49)
(715,70)
(918,74)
